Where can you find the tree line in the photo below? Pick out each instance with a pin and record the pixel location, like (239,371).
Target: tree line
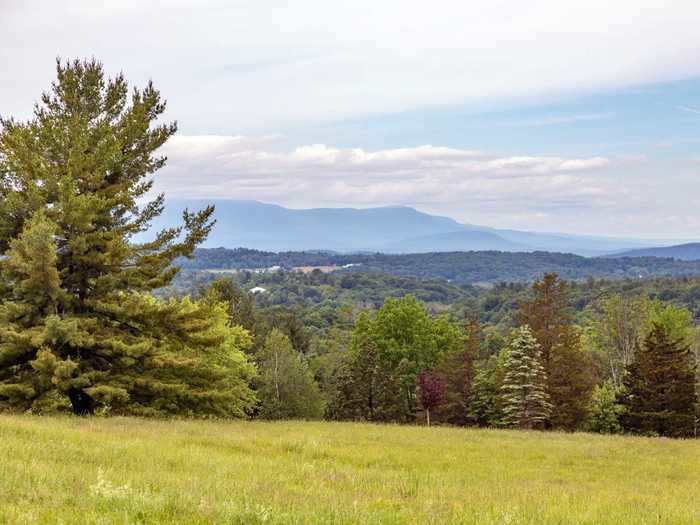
(457,267)
(632,370)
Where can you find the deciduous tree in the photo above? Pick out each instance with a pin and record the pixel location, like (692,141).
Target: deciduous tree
(431,388)
(286,387)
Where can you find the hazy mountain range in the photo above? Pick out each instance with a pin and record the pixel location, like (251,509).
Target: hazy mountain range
(683,252)
(253,224)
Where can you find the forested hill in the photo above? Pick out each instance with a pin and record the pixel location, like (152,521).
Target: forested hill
(460,267)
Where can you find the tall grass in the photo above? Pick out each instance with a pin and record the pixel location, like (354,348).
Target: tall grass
(71,470)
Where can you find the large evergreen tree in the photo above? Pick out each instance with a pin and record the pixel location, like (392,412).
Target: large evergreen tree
(77,321)
(569,369)
(524,390)
(660,393)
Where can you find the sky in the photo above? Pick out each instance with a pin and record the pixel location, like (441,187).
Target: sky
(547,115)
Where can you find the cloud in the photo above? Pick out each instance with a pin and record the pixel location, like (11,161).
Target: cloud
(319,174)
(688,109)
(261,66)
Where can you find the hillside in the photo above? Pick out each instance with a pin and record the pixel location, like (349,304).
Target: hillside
(117,470)
(459,267)
(252,224)
(682,252)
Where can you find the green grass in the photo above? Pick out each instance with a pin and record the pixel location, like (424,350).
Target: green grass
(71,470)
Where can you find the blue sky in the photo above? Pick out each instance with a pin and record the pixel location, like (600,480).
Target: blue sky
(658,118)
(572,116)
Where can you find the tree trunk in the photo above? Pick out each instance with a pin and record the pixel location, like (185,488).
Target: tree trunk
(427,416)
(82,403)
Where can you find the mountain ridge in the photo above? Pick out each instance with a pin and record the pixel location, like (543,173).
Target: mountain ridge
(390,229)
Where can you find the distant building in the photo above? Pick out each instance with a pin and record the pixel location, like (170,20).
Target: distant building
(257,289)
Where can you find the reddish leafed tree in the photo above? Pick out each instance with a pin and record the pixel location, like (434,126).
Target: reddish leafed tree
(431,387)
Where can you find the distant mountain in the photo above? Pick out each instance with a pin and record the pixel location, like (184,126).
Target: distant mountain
(460,241)
(269,227)
(683,252)
(577,244)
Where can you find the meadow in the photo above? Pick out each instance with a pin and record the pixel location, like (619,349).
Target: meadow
(122,470)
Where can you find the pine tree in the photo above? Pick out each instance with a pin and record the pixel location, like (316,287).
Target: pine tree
(659,385)
(567,365)
(241,309)
(524,391)
(570,382)
(77,322)
(286,387)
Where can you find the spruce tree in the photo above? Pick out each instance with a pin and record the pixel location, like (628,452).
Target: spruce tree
(77,322)
(524,390)
(660,393)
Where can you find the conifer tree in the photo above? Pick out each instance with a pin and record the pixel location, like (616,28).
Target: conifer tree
(660,393)
(569,369)
(524,391)
(571,379)
(77,322)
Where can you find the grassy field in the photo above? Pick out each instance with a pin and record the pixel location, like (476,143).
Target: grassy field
(71,470)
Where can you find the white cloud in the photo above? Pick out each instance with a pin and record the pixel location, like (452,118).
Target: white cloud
(229,66)
(688,110)
(315,175)
(268,66)
(592,195)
